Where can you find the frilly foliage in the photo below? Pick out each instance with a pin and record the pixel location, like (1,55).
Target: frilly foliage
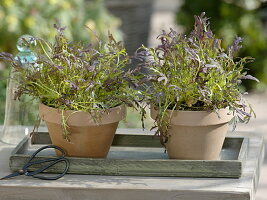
(73,76)
(194,73)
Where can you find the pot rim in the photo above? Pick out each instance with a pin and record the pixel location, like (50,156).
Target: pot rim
(204,111)
(81,118)
(41,103)
(196,118)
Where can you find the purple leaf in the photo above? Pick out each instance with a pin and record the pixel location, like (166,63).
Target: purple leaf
(141,54)
(223,55)
(163,78)
(210,65)
(73,85)
(242,112)
(68,102)
(59,67)
(204,70)
(249,77)
(58,27)
(159,96)
(175,87)
(235,46)
(91,68)
(90,85)
(209,34)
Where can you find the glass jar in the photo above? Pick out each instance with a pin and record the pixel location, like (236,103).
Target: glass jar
(20,115)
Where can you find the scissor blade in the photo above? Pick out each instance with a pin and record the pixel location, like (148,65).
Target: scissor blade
(11,175)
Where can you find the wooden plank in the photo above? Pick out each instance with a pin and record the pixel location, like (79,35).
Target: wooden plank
(40,138)
(231,148)
(242,157)
(243,153)
(136,188)
(64,190)
(140,161)
(166,168)
(22,146)
(119,140)
(134,140)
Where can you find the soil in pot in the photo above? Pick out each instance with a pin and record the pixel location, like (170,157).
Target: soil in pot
(87,138)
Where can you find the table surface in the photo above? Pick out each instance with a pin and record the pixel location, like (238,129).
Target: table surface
(136,188)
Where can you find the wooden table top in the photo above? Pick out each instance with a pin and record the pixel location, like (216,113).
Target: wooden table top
(136,188)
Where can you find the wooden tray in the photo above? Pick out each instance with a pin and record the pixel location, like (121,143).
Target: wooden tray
(139,155)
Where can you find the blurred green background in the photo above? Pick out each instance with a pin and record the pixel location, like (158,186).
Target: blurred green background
(130,20)
(36,17)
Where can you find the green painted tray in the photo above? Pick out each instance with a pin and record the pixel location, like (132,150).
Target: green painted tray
(139,155)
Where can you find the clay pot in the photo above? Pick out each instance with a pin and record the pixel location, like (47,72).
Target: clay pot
(87,138)
(196,135)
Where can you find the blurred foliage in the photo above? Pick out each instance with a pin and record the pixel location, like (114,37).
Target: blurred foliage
(133,119)
(36,17)
(231,18)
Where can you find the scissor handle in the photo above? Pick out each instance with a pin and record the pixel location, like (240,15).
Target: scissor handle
(55,161)
(48,147)
(51,161)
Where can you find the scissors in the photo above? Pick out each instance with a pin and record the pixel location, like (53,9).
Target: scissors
(51,162)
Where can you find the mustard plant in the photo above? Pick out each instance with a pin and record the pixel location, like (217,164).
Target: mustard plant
(194,73)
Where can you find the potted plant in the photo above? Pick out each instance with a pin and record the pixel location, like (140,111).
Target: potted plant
(193,89)
(82,90)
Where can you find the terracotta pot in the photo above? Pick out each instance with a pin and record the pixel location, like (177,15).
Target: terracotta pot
(87,138)
(196,135)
